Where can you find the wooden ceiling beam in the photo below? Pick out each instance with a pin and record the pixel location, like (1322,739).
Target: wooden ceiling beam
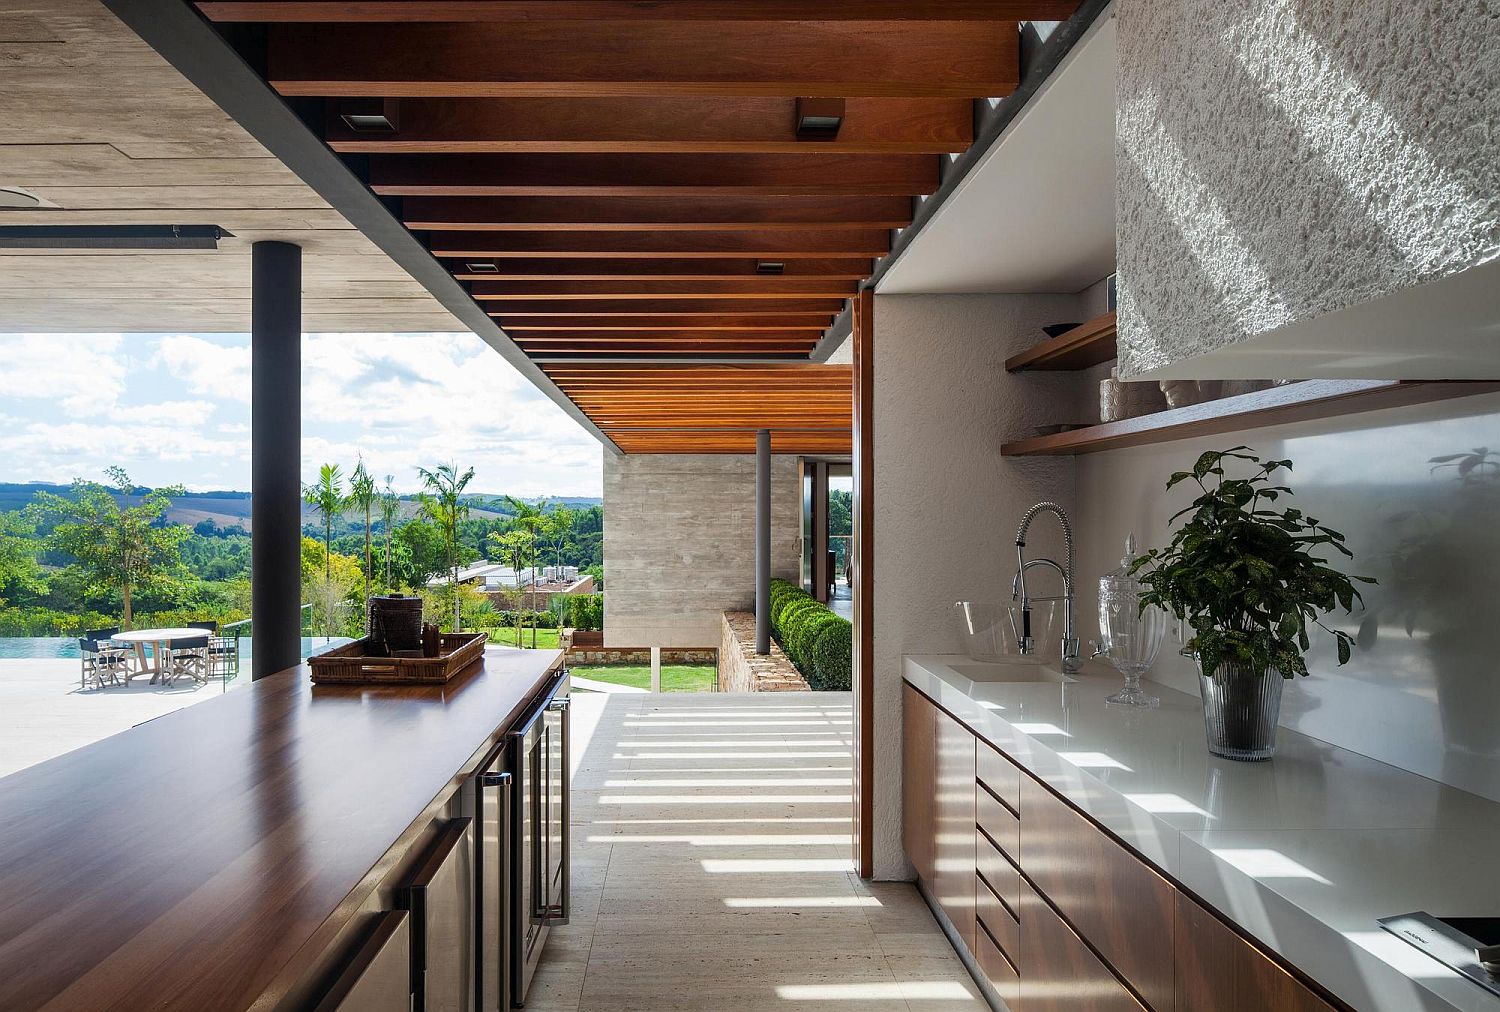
(596,307)
(680,124)
(788,336)
(673,269)
(730,322)
(595,214)
(513,11)
(838,59)
(738,288)
(780,245)
(594,175)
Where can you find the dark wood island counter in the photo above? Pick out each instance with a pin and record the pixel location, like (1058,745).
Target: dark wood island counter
(222,856)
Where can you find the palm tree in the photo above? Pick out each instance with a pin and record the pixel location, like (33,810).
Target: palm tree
(559,530)
(512,547)
(362,497)
(390,510)
(327,497)
(530,519)
(443,503)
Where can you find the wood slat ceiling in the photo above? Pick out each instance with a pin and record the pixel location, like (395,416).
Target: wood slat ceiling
(621,184)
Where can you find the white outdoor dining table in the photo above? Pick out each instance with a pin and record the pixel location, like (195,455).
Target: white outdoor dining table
(158,638)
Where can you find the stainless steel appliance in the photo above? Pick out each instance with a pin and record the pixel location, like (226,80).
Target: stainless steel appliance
(539,753)
(1470,945)
(492,882)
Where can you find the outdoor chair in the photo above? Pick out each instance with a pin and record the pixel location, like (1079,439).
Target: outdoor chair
(223,651)
(102,661)
(186,656)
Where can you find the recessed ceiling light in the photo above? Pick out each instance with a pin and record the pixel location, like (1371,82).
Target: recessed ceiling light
(15,199)
(371,115)
(770,267)
(482,268)
(819,119)
(111,236)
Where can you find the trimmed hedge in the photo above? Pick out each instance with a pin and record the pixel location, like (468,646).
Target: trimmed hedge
(816,640)
(833,658)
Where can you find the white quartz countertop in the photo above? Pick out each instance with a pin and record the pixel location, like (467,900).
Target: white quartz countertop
(1304,851)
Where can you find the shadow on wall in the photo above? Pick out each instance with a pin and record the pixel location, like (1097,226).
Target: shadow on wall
(1310,178)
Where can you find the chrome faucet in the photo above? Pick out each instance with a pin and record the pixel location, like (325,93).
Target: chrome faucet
(1070,659)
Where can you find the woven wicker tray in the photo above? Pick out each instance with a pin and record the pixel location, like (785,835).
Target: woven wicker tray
(348,663)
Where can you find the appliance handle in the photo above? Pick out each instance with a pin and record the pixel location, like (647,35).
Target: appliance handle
(550,702)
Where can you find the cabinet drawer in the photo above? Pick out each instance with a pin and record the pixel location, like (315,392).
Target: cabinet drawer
(999,774)
(1062,974)
(998,919)
(1218,971)
(997,969)
(997,870)
(999,822)
(1114,899)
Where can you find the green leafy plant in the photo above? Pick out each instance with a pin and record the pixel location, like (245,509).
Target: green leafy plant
(1246,576)
(116,546)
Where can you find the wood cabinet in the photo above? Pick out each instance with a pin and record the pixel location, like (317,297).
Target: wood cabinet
(1058,971)
(1117,901)
(1218,971)
(378,977)
(918,780)
(1058,915)
(953,859)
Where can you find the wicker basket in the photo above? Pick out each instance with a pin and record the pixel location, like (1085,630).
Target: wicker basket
(349,663)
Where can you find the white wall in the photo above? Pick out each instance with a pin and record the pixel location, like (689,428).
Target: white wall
(679,543)
(946,502)
(1426,699)
(1279,160)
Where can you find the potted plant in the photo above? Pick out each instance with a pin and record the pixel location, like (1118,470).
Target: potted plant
(1249,581)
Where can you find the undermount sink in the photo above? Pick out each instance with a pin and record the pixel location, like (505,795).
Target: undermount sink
(1021,669)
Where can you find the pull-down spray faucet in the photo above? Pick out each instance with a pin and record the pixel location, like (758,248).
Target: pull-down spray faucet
(1070,660)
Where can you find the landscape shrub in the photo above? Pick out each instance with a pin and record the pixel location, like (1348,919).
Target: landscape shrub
(833,658)
(585,612)
(807,631)
(803,633)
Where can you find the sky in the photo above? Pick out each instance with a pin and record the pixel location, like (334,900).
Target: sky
(175,409)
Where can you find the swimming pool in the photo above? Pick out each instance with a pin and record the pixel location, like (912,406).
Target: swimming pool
(62,647)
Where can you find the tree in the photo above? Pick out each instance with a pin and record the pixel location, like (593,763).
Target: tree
(114,545)
(558,531)
(18,567)
(443,503)
(390,510)
(327,497)
(512,548)
(532,520)
(362,496)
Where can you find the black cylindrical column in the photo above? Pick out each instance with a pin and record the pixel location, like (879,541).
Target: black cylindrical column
(275,457)
(763,541)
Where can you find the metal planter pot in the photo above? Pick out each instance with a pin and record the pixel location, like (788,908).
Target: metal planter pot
(1240,707)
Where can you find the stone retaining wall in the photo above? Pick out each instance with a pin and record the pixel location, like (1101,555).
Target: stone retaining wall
(741,669)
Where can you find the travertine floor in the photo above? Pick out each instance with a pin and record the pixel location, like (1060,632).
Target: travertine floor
(711,868)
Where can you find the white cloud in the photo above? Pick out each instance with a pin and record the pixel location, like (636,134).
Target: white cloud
(208,368)
(84,373)
(175,408)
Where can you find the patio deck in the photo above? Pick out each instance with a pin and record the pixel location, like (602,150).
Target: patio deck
(711,868)
(43,712)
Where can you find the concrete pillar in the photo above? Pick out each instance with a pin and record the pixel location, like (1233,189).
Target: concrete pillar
(763,541)
(656,669)
(275,457)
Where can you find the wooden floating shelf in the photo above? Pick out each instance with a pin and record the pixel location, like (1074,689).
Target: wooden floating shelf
(1087,344)
(1297,402)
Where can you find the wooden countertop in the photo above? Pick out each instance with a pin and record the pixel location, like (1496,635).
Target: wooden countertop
(205,859)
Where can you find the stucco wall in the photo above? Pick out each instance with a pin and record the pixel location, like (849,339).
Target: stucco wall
(1419,692)
(679,543)
(946,502)
(1281,159)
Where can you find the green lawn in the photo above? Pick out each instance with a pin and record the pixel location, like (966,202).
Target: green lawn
(674,677)
(545,638)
